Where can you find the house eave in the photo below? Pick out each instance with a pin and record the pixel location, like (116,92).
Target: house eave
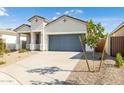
(59,33)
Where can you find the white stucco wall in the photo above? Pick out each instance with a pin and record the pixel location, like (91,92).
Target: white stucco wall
(37,26)
(88,49)
(11,41)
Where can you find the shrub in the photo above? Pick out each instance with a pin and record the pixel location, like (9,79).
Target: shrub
(2,62)
(2,47)
(7,51)
(119,60)
(22,50)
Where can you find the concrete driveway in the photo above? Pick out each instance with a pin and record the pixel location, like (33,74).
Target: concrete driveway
(41,68)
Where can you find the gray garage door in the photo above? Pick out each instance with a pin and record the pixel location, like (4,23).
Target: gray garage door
(64,43)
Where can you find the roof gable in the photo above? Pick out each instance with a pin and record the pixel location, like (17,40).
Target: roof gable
(66,25)
(36,16)
(67,17)
(22,26)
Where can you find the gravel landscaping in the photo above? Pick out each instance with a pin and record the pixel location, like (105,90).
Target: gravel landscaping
(108,75)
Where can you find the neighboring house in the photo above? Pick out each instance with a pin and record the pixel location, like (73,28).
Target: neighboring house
(115,42)
(9,37)
(61,34)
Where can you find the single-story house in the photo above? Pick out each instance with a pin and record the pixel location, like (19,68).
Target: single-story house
(115,42)
(9,37)
(61,34)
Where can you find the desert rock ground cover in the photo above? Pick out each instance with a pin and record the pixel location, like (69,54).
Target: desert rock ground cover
(109,74)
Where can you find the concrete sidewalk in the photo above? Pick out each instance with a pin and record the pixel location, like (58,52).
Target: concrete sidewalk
(42,68)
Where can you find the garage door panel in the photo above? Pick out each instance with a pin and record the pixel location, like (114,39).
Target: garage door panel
(64,43)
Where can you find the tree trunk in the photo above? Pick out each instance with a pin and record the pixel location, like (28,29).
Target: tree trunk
(101,61)
(84,53)
(93,59)
(103,53)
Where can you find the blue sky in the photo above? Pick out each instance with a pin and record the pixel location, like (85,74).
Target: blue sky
(11,17)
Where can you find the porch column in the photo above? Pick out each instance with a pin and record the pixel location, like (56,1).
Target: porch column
(28,41)
(44,38)
(32,44)
(41,41)
(46,42)
(18,41)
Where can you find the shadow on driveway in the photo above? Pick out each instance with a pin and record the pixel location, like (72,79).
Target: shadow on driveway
(52,70)
(55,82)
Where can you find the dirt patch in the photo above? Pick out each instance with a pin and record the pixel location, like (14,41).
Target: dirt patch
(13,57)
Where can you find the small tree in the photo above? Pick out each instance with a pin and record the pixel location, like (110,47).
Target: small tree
(93,35)
(2,50)
(2,47)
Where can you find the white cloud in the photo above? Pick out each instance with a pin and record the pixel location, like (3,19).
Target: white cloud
(79,11)
(66,12)
(3,12)
(55,17)
(70,12)
(58,13)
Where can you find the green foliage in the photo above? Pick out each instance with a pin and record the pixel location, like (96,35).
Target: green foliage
(2,62)
(22,50)
(2,47)
(94,34)
(119,60)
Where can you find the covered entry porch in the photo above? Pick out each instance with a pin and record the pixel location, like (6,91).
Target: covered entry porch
(33,41)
